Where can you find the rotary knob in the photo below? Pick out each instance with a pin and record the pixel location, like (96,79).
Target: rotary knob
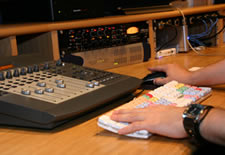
(41,84)
(96,83)
(25,92)
(16,73)
(36,68)
(49,90)
(46,66)
(23,71)
(59,81)
(9,75)
(2,77)
(90,85)
(61,85)
(39,91)
(29,70)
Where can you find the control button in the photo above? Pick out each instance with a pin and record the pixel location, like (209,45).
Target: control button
(9,75)
(23,71)
(61,85)
(25,92)
(16,73)
(41,84)
(90,85)
(2,76)
(49,90)
(39,91)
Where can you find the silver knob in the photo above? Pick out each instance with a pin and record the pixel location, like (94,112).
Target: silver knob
(25,92)
(59,81)
(90,85)
(39,91)
(61,85)
(96,83)
(49,90)
(41,84)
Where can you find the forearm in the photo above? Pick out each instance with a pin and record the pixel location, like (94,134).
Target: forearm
(212,127)
(211,75)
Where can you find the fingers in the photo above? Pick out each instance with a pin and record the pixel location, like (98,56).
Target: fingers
(136,126)
(135,117)
(162,68)
(128,115)
(124,111)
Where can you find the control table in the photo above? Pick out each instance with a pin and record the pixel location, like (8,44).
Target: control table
(83,136)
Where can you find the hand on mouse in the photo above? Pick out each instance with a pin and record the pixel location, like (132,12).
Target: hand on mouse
(174,72)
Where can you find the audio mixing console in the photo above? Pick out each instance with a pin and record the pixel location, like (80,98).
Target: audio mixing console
(48,94)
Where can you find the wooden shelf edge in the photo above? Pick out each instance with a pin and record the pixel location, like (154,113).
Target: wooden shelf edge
(21,29)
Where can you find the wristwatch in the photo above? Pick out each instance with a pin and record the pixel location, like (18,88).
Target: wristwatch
(193,115)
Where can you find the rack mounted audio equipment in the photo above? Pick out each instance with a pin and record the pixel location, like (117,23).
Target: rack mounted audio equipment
(107,46)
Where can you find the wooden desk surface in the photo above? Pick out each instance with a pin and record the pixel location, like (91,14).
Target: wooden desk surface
(85,137)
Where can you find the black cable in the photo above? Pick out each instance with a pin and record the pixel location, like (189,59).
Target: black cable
(220,16)
(167,43)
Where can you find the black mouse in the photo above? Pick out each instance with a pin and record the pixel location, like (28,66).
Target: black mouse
(148,80)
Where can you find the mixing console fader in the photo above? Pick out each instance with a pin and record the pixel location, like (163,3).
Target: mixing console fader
(48,94)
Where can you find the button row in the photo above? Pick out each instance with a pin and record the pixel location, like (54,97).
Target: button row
(9,74)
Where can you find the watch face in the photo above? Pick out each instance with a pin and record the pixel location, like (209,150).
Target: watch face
(193,110)
(191,117)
